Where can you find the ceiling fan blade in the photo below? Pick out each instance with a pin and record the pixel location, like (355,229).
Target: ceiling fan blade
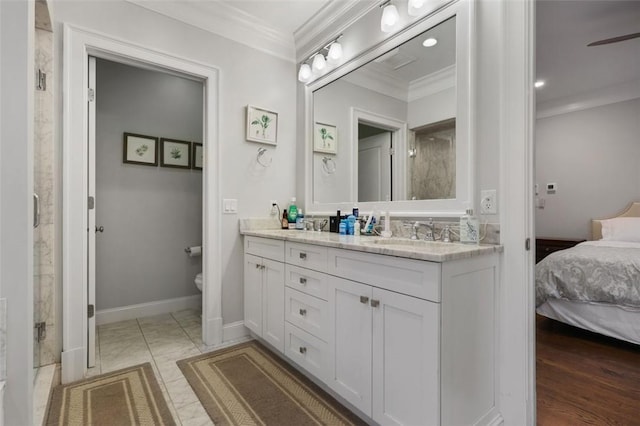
(614,39)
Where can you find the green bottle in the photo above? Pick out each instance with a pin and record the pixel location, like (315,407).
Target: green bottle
(293,211)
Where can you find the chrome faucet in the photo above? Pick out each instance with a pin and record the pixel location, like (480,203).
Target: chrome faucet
(445,235)
(414,229)
(428,236)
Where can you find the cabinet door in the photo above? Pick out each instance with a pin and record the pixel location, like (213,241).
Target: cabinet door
(406,382)
(273,303)
(350,342)
(253,293)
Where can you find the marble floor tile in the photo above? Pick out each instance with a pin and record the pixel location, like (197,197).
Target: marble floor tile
(194,415)
(181,393)
(167,363)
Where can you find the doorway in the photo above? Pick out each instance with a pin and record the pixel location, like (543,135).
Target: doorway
(78,46)
(375,146)
(147,206)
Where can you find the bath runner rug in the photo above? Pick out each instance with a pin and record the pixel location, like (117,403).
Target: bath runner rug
(247,384)
(130,396)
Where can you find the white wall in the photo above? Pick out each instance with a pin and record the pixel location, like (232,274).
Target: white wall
(332,105)
(150,214)
(247,76)
(16,214)
(433,108)
(594,157)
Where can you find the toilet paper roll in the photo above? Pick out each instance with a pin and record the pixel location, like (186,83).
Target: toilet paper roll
(194,251)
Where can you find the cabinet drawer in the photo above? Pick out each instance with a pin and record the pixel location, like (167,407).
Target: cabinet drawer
(265,247)
(307,312)
(307,351)
(412,277)
(306,281)
(307,256)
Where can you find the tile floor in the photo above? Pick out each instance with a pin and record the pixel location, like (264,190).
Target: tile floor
(160,340)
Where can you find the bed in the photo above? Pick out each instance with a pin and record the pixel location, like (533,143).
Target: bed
(596,284)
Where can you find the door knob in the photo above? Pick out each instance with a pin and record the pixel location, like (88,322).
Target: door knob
(100,229)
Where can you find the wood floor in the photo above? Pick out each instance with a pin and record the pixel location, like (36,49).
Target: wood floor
(584,378)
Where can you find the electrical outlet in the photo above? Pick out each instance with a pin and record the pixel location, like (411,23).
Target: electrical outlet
(273,205)
(489,201)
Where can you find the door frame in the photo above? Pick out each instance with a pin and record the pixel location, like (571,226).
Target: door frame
(398,131)
(79,44)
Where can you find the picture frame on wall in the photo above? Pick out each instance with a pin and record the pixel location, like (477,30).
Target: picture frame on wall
(140,149)
(325,138)
(262,125)
(175,153)
(198,156)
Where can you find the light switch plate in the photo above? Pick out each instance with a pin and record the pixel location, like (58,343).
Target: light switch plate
(229,206)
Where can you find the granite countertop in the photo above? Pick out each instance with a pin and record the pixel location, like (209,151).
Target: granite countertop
(434,251)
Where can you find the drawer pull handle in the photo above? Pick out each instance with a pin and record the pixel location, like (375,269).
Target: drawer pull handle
(303,255)
(303,350)
(364,299)
(375,303)
(303,312)
(303,280)
(257,266)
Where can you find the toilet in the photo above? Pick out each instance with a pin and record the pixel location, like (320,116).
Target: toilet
(198,281)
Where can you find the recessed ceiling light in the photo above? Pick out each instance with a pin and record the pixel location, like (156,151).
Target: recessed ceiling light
(430,42)
(538,84)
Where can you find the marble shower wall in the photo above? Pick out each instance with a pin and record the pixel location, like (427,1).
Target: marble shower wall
(44,235)
(433,168)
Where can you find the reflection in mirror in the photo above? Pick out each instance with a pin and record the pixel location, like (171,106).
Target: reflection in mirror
(432,161)
(409,93)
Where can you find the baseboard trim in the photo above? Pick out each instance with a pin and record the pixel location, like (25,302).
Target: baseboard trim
(233,331)
(74,364)
(107,316)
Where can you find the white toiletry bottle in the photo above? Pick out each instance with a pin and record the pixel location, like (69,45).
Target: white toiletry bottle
(469,228)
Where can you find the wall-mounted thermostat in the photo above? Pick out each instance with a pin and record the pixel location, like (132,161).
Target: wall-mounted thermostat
(552,188)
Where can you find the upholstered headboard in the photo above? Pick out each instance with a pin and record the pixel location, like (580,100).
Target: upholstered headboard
(633,210)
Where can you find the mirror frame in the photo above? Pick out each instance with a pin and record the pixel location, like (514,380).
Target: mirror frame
(464,11)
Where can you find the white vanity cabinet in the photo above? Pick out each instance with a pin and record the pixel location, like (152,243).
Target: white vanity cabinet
(264,289)
(405,341)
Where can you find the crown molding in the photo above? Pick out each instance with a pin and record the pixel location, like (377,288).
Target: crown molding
(378,82)
(227,21)
(432,83)
(599,97)
(328,23)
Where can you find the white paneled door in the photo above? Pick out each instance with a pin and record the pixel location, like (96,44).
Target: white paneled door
(91,215)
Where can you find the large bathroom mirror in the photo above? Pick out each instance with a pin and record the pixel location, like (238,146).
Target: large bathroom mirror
(392,129)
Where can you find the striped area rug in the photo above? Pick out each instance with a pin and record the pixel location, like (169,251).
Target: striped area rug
(130,396)
(246,384)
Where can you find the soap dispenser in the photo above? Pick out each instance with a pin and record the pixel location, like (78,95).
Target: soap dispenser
(469,228)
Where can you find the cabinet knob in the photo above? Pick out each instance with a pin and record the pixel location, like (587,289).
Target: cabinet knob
(303,280)
(303,350)
(303,312)
(303,255)
(375,303)
(364,299)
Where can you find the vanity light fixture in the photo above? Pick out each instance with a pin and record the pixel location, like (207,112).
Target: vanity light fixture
(430,42)
(414,6)
(538,84)
(305,73)
(319,62)
(390,17)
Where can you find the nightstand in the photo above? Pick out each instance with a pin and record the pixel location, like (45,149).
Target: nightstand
(546,246)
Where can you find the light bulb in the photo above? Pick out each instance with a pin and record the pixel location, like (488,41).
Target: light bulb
(414,6)
(430,42)
(305,73)
(335,52)
(319,64)
(538,84)
(390,18)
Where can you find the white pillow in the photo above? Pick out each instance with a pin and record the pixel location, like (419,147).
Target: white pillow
(621,229)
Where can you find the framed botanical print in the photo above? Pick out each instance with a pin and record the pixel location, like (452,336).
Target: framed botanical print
(262,125)
(140,149)
(325,138)
(175,153)
(198,156)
